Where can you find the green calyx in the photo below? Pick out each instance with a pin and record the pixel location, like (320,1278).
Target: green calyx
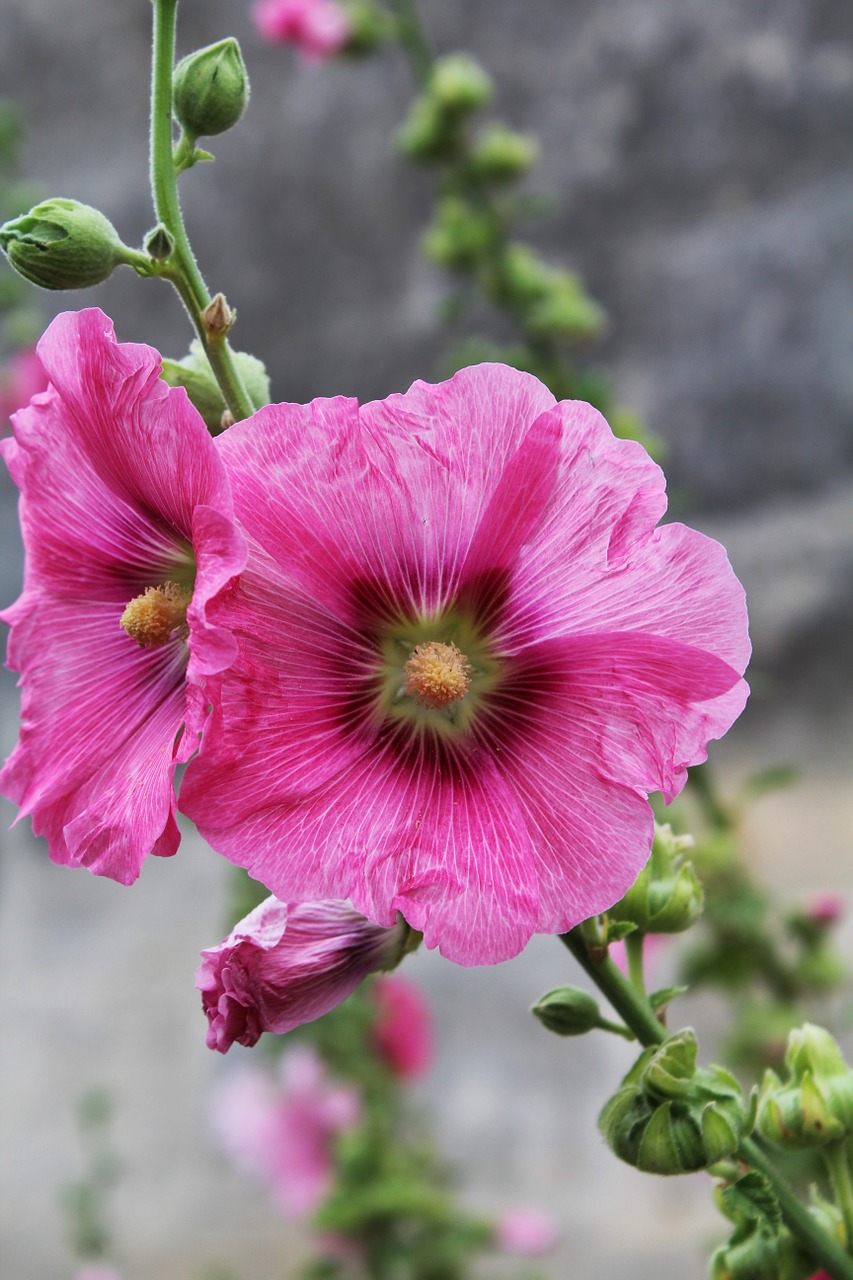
(194,374)
(814,1106)
(62,244)
(399,700)
(667,896)
(668,1117)
(210,89)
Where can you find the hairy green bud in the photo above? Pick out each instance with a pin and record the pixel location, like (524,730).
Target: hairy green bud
(668,1117)
(815,1105)
(502,155)
(568,1011)
(210,89)
(62,244)
(566,310)
(666,897)
(459,85)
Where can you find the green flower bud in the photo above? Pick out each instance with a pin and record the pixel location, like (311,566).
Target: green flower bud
(668,1117)
(566,310)
(459,235)
(62,244)
(159,243)
(459,85)
(370,27)
(757,1251)
(666,897)
(501,154)
(524,277)
(195,375)
(426,134)
(568,1011)
(815,1105)
(210,89)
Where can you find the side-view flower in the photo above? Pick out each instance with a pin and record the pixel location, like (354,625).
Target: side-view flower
(129,535)
(465,657)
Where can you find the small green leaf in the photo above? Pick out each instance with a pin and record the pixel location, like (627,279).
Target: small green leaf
(752,1197)
(660,999)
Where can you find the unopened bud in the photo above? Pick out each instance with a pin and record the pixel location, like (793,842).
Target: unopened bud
(159,244)
(218,316)
(459,84)
(568,1011)
(460,234)
(668,1117)
(502,154)
(210,89)
(815,1105)
(62,244)
(666,897)
(566,310)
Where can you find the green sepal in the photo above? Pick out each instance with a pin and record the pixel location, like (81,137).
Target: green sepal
(616,930)
(751,1196)
(663,997)
(193,373)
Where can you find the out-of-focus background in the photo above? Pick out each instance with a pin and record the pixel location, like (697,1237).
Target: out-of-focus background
(699,161)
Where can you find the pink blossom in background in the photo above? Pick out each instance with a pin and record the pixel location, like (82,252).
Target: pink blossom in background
(318,28)
(126,514)
(94,1271)
(284,1133)
(654,944)
(527,1233)
(403,1030)
(825,908)
(21,379)
(466,655)
(289,963)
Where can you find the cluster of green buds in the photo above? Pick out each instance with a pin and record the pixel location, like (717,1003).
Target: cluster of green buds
(761,1247)
(456,89)
(667,895)
(814,1105)
(670,1117)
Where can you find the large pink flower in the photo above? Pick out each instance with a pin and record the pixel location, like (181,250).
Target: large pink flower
(466,656)
(318,28)
(287,964)
(128,531)
(286,1134)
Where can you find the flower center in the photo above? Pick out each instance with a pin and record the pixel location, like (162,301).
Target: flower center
(152,618)
(437,674)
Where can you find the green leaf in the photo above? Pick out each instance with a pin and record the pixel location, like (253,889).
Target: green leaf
(752,1197)
(616,930)
(660,999)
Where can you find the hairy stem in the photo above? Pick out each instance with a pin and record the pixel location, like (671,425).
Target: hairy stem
(181,268)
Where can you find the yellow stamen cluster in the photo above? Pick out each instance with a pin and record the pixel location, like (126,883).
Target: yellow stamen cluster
(437,674)
(152,618)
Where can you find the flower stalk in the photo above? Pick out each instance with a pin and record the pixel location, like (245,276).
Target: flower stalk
(637,1014)
(181,267)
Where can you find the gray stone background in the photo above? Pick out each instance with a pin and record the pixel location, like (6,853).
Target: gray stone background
(699,157)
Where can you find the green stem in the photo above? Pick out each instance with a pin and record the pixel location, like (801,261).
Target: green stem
(182,269)
(634,956)
(413,38)
(637,1014)
(838,1167)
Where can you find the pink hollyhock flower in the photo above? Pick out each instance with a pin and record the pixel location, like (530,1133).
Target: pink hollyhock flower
(403,1030)
(466,656)
(318,28)
(128,531)
(286,1134)
(22,379)
(527,1233)
(97,1272)
(289,963)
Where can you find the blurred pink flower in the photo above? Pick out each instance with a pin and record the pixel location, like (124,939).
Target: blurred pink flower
(318,28)
(289,963)
(94,1271)
(825,908)
(22,378)
(654,944)
(466,655)
(128,532)
(285,1133)
(527,1233)
(403,1030)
